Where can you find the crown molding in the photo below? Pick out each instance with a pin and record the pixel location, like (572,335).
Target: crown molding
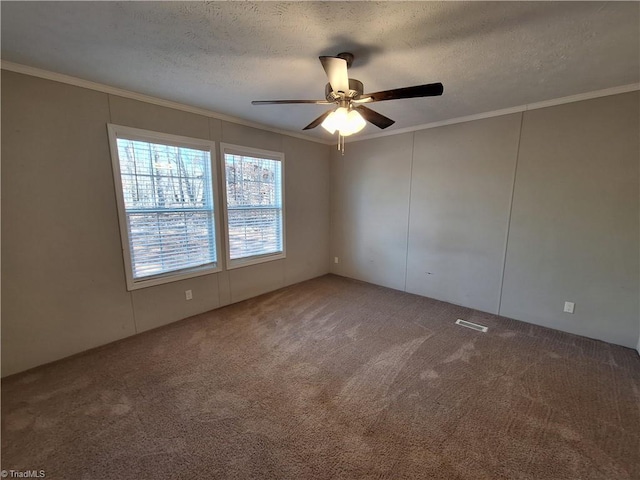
(79,82)
(506,111)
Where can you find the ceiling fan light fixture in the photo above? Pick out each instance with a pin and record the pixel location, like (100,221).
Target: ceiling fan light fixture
(335,119)
(345,121)
(350,116)
(353,124)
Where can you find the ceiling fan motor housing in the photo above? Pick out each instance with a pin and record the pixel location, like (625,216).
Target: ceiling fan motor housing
(347,57)
(356,88)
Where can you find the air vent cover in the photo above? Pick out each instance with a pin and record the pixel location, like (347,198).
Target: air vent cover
(473,326)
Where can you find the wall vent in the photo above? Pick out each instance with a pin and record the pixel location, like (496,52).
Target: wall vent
(473,326)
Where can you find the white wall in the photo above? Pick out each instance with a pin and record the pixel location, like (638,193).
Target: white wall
(460,200)
(370,209)
(510,215)
(574,230)
(63,283)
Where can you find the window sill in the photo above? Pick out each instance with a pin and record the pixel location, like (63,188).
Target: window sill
(245,262)
(172,277)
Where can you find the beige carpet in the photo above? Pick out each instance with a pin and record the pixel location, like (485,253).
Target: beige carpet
(331,378)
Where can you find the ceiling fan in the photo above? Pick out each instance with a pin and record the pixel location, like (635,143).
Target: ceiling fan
(350,114)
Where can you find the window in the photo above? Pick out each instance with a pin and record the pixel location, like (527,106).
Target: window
(253,205)
(166,205)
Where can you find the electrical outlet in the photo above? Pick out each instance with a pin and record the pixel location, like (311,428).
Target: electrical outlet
(188,294)
(569,307)
(336,260)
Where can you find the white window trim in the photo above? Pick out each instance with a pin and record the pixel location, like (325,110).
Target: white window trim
(119,131)
(257,152)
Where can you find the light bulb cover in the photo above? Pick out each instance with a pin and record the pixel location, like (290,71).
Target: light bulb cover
(335,120)
(346,121)
(353,124)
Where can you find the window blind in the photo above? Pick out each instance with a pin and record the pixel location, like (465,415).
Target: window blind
(168,200)
(254,205)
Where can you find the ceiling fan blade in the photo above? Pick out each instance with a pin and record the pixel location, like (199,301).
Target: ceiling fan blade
(284,102)
(376,118)
(318,120)
(336,70)
(428,90)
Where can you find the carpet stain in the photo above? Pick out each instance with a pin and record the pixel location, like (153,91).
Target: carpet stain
(352,332)
(429,375)
(30,378)
(371,382)
(18,420)
(44,423)
(120,409)
(464,354)
(197,338)
(78,384)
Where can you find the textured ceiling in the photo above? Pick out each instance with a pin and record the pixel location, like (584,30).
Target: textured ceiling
(222,55)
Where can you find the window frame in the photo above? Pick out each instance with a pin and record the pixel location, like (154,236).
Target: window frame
(129,133)
(258,153)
